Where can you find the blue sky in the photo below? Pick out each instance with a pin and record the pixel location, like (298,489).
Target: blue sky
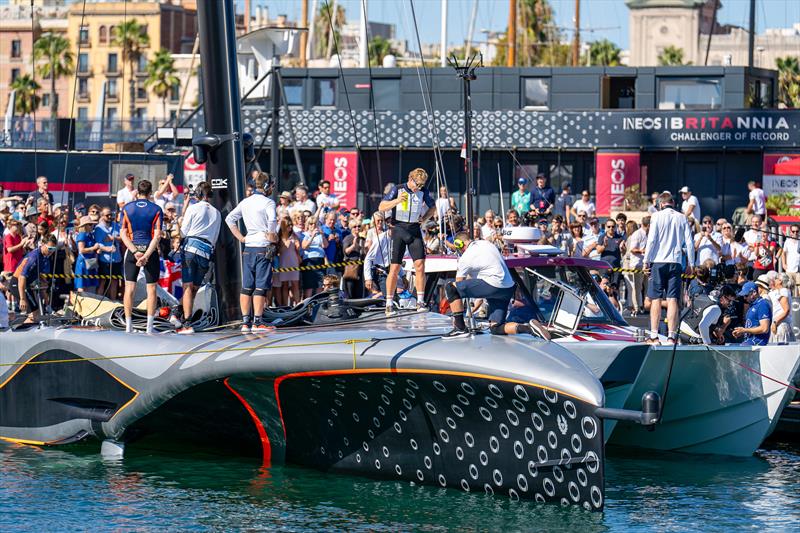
(599,18)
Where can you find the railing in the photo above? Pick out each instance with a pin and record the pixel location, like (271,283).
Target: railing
(88,134)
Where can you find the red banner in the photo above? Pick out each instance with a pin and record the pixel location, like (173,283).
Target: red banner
(615,173)
(341,169)
(782,176)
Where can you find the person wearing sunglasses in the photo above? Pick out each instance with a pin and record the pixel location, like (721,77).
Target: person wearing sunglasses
(27,278)
(708,243)
(611,248)
(790,259)
(731,250)
(585,204)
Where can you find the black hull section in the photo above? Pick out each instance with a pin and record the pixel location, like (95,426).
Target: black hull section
(462,431)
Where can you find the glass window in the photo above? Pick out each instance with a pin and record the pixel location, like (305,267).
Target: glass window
(111,88)
(83,87)
(386,93)
(689,93)
(175,93)
(325,92)
(16,48)
(293,87)
(535,93)
(112,63)
(759,94)
(141,66)
(141,113)
(14,74)
(83,113)
(141,91)
(83,35)
(83,63)
(103,34)
(45,99)
(111,114)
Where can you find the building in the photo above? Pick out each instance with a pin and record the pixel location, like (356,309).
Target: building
(170,24)
(681,125)
(689,24)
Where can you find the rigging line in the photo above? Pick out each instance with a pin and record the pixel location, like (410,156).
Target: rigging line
(347,96)
(33,104)
(753,370)
(372,100)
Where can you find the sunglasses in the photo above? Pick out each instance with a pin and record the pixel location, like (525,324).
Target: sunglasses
(727,227)
(793,231)
(581,216)
(611,227)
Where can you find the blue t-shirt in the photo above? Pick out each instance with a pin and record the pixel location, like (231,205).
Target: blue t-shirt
(140,220)
(105,236)
(418,204)
(759,310)
(315,249)
(330,251)
(87,238)
(33,265)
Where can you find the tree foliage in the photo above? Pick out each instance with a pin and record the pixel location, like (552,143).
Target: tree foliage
(378,49)
(132,37)
(604,53)
(54,60)
(672,56)
(322,27)
(28,99)
(788,81)
(161,77)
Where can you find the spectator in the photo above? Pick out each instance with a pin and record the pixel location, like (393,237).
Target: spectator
(487,229)
(766,255)
(13,251)
(19,212)
(576,231)
(512,218)
(543,198)
(283,207)
(790,258)
(378,259)
(443,204)
(590,240)
(127,193)
(42,231)
(353,250)
(564,201)
(583,220)
(701,284)
(546,236)
(751,238)
(302,202)
(314,244)
(611,248)
(521,198)
(669,235)
(106,233)
(690,205)
(758,200)
(781,298)
(298,222)
(611,289)
(561,236)
(43,214)
(333,250)
(94,212)
(731,250)
(584,204)
(41,192)
(10,199)
(166,192)
(708,244)
(86,263)
(758,320)
(326,201)
(636,280)
(653,206)
(622,223)
(288,283)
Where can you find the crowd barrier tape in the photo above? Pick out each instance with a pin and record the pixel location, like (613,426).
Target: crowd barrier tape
(286,269)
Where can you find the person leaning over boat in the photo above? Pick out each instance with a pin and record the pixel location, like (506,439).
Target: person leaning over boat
(200,230)
(32,296)
(411,204)
(482,273)
(731,317)
(257,211)
(759,316)
(141,234)
(667,239)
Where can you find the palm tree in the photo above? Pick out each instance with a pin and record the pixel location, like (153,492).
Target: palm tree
(161,77)
(378,49)
(536,37)
(604,53)
(27,98)
(54,58)
(671,56)
(322,27)
(788,81)
(132,38)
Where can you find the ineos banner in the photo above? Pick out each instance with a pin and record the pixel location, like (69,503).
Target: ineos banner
(193,172)
(782,175)
(341,169)
(616,172)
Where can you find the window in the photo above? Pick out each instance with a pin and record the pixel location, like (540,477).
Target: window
(618,92)
(14,74)
(141,65)
(689,93)
(386,93)
(141,114)
(325,92)
(83,35)
(175,93)
(46,100)
(173,114)
(16,49)
(113,65)
(83,63)
(293,87)
(111,114)
(83,87)
(535,93)
(83,113)
(103,35)
(141,91)
(111,88)
(759,94)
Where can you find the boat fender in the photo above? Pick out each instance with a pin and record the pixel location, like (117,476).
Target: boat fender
(111,449)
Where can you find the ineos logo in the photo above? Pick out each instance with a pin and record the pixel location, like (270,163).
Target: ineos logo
(219,183)
(340,174)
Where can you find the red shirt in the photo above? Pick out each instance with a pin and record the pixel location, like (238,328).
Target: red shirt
(47,218)
(765,255)
(12,259)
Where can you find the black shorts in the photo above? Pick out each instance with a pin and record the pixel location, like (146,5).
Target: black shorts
(407,235)
(109,269)
(31,295)
(151,269)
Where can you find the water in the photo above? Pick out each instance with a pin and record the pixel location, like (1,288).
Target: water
(73,489)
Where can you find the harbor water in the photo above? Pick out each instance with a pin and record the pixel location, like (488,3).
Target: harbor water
(72,488)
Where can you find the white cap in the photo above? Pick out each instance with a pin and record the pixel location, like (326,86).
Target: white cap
(684,189)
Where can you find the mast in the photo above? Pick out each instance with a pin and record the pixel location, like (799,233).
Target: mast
(303,35)
(362,37)
(467,74)
(216,23)
(443,36)
(576,43)
(751,38)
(511,34)
(471,28)
(275,147)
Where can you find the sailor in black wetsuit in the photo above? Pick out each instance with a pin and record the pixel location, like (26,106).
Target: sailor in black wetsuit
(410,205)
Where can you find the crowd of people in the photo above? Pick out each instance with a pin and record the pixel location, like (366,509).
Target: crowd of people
(360,252)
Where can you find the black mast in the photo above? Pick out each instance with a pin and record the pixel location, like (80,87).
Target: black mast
(467,74)
(223,140)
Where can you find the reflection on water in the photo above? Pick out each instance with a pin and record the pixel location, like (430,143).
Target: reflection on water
(72,488)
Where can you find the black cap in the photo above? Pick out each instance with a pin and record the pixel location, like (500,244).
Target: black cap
(727,290)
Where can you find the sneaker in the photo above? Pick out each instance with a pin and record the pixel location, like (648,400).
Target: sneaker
(456,334)
(390,309)
(263,328)
(653,341)
(185,330)
(245,328)
(422,306)
(538,330)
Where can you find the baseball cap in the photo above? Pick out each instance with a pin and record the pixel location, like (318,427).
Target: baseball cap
(747,288)
(684,189)
(522,181)
(57,206)
(565,186)
(129,176)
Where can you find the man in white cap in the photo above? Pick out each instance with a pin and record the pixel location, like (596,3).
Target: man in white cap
(690,206)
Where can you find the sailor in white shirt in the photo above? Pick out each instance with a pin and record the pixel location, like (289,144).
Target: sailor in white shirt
(260,219)
(200,230)
(690,205)
(326,202)
(127,193)
(791,256)
(482,273)
(668,239)
(758,200)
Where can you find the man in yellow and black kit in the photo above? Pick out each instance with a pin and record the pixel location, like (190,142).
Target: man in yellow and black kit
(410,205)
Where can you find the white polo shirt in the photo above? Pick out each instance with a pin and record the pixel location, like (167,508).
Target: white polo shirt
(482,260)
(260,218)
(668,237)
